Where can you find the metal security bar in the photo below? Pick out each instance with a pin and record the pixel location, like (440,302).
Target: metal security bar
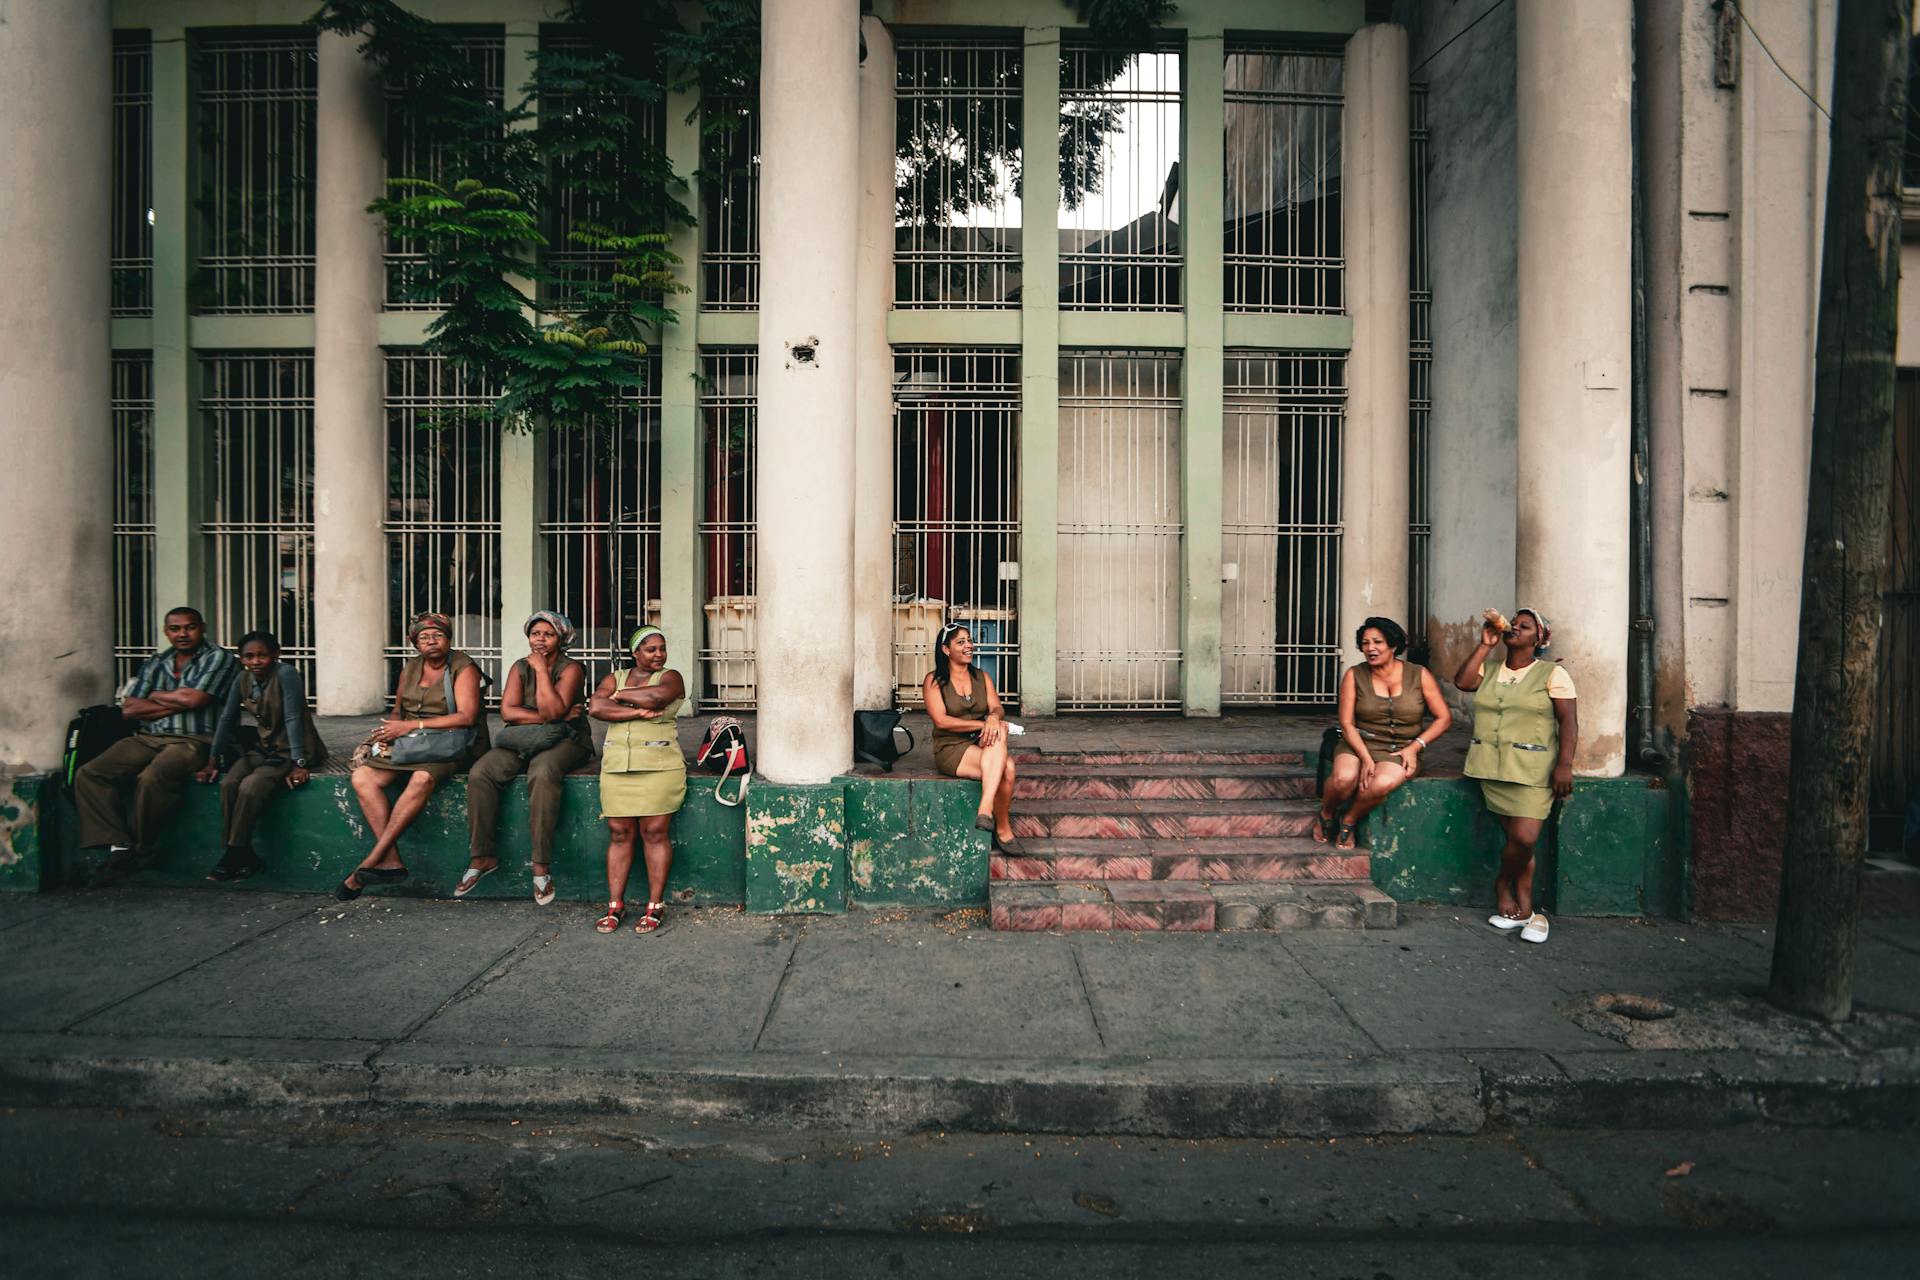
(729,428)
(132,173)
(956,527)
(570,265)
(256,137)
(602,530)
(730,206)
(1419,388)
(134,633)
(1120,531)
(1120,179)
(957,238)
(259,418)
(409,155)
(1280,523)
(443,509)
(1283,245)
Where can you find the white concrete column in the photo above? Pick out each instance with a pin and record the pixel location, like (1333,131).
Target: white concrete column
(1573,85)
(873,674)
(1374,212)
(809,209)
(349,386)
(56,489)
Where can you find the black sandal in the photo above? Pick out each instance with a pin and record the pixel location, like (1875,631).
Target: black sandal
(383,875)
(1346,831)
(344,892)
(1329,826)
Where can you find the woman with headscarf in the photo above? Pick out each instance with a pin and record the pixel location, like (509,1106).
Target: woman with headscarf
(438,726)
(544,707)
(643,774)
(1526,726)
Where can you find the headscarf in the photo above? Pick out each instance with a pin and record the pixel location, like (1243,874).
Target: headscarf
(635,640)
(421,621)
(558,621)
(1546,628)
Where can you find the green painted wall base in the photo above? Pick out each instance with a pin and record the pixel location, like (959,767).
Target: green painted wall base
(796,851)
(913,842)
(25,831)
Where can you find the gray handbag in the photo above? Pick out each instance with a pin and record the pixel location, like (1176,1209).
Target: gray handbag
(434,746)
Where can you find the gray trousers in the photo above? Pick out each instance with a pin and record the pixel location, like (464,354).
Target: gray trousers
(254,782)
(546,774)
(161,765)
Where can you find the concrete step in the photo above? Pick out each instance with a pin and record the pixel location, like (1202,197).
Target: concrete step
(1088,817)
(1353,904)
(1103,759)
(1050,780)
(1131,905)
(1178,906)
(1289,858)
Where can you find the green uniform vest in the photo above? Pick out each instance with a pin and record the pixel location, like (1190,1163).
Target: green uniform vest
(1516,736)
(644,746)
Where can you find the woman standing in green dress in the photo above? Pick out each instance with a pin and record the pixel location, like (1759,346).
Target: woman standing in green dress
(1526,725)
(643,774)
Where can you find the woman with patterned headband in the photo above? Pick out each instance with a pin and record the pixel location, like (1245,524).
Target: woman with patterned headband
(643,774)
(544,707)
(1526,725)
(437,728)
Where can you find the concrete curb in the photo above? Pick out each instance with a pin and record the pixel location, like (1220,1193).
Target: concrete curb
(1431,1093)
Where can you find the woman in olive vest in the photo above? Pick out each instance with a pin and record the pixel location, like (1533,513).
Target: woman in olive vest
(285,748)
(437,706)
(1526,726)
(643,774)
(1391,711)
(970,732)
(544,708)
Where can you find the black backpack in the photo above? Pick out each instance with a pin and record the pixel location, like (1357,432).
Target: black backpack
(88,734)
(873,740)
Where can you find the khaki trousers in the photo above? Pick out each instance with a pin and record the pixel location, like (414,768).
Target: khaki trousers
(546,792)
(163,764)
(254,782)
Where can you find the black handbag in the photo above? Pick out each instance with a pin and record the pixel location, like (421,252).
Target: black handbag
(873,740)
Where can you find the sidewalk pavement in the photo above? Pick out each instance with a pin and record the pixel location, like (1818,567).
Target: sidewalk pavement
(896,1021)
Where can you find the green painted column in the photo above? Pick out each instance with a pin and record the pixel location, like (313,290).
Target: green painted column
(1040,373)
(681,599)
(180,559)
(1203,208)
(523,455)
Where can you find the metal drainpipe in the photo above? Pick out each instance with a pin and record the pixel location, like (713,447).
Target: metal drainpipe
(1645,752)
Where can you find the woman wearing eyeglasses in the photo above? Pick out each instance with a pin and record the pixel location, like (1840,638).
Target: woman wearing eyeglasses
(970,731)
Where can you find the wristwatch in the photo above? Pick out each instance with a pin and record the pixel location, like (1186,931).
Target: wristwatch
(299,762)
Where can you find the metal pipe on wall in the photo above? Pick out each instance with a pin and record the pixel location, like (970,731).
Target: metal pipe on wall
(1644,750)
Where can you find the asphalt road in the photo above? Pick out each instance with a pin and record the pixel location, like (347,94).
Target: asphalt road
(88,1193)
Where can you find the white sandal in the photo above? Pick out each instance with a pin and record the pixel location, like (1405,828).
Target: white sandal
(1536,930)
(472,877)
(1499,921)
(543,890)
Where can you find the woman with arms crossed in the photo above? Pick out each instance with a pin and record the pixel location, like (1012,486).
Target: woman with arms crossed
(643,774)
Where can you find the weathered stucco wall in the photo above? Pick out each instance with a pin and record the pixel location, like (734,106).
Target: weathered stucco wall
(1472,211)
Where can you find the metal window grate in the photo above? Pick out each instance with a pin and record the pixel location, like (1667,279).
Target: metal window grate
(1280,521)
(443,509)
(956,527)
(258,410)
(730,206)
(602,530)
(132,173)
(255,128)
(1419,388)
(728,439)
(1120,206)
(957,233)
(1120,531)
(569,265)
(1283,236)
(409,155)
(133,523)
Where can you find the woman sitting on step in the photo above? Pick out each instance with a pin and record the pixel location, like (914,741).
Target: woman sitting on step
(1391,711)
(970,731)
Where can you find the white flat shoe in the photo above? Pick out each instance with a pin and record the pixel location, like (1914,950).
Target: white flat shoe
(542,890)
(1536,929)
(1499,921)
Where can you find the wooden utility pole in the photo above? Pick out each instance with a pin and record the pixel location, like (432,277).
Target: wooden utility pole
(1843,574)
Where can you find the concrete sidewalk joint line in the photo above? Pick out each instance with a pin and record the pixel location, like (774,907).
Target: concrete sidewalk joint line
(1086,993)
(779,986)
(184,970)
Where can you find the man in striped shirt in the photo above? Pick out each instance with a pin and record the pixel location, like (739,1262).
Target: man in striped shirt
(176,700)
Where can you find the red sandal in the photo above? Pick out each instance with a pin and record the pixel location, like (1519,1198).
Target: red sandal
(616,912)
(654,920)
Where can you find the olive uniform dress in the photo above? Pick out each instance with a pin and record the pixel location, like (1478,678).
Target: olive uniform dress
(950,746)
(417,703)
(1516,736)
(642,771)
(1386,725)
